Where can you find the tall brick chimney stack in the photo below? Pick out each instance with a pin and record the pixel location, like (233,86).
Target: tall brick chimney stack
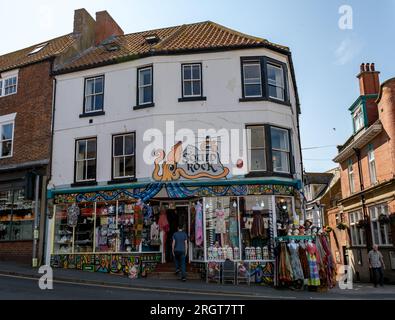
(106,27)
(369,82)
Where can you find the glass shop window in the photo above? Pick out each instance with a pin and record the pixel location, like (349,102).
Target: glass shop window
(129,225)
(16,216)
(63,233)
(196,231)
(106,227)
(84,231)
(222,229)
(255,223)
(150,235)
(285,215)
(5,214)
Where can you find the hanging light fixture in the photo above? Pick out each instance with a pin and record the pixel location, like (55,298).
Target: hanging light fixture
(262,204)
(234,204)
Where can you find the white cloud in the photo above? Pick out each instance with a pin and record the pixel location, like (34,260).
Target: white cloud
(347,51)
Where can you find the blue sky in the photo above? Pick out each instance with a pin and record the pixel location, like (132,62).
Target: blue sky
(326,57)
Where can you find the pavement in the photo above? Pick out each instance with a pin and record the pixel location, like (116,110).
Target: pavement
(158,289)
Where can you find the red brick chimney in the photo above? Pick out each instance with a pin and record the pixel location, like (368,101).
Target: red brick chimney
(106,27)
(369,82)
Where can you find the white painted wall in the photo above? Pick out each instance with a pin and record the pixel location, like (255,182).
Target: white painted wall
(221,86)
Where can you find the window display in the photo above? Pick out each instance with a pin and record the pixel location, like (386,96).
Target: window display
(222,233)
(16,216)
(255,220)
(63,237)
(106,233)
(196,231)
(83,232)
(125,225)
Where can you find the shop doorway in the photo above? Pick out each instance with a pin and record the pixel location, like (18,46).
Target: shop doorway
(176,217)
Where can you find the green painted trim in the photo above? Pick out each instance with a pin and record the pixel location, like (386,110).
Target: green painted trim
(293,183)
(362,99)
(365,114)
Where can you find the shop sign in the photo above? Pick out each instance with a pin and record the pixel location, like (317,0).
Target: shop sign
(189,163)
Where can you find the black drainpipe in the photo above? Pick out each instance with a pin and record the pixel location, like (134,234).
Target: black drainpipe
(368,231)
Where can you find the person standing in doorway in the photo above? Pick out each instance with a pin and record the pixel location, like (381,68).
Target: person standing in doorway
(180,249)
(376,263)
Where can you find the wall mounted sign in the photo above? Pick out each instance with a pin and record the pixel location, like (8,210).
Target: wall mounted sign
(196,163)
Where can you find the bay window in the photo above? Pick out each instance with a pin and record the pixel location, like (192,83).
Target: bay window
(275,77)
(252,79)
(256,148)
(280,150)
(358,119)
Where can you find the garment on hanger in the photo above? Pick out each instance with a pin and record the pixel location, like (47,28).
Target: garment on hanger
(314,279)
(330,263)
(295,261)
(233,232)
(198,224)
(285,269)
(138,225)
(163,222)
(258,226)
(303,261)
(154,231)
(220,225)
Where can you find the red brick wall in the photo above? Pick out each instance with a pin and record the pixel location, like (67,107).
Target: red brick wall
(33,105)
(372,111)
(20,251)
(345,186)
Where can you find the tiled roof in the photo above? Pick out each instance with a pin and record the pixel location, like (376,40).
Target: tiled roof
(21,58)
(190,37)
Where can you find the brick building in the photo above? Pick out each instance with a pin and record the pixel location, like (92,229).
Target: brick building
(27,88)
(367,163)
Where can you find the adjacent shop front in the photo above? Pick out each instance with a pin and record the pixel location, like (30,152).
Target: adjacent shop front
(127,229)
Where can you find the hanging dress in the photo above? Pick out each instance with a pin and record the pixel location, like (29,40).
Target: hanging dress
(311,251)
(220,226)
(138,225)
(295,262)
(258,226)
(331,266)
(303,261)
(285,269)
(198,224)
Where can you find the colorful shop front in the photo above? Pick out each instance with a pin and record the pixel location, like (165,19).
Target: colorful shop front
(127,229)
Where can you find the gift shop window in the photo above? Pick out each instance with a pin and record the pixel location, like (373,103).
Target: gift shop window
(255,225)
(287,219)
(196,231)
(84,230)
(106,227)
(16,216)
(222,228)
(380,224)
(63,231)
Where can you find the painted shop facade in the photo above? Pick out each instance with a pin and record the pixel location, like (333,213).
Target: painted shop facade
(112,211)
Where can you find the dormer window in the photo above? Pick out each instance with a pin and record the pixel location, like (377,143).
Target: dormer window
(358,119)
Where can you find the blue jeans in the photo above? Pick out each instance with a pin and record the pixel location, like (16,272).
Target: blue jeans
(179,259)
(378,276)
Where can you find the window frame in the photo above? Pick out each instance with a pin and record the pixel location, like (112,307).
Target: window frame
(269,154)
(261,72)
(378,208)
(123,178)
(249,148)
(350,176)
(372,165)
(146,104)
(278,66)
(3,85)
(193,96)
(358,114)
(85,181)
(357,216)
(264,62)
(289,149)
(12,138)
(94,112)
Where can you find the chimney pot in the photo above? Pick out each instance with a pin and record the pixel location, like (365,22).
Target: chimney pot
(362,67)
(367,67)
(372,67)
